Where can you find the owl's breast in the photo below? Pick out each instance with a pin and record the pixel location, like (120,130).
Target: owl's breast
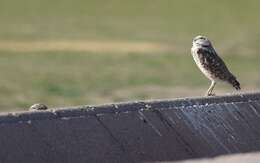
(198,60)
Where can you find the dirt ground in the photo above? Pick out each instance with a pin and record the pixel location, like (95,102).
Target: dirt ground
(84,45)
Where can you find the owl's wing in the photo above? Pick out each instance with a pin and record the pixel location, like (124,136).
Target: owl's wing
(213,63)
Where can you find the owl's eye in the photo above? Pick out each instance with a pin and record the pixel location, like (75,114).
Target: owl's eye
(199,38)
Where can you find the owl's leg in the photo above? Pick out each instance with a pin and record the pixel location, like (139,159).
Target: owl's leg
(210,90)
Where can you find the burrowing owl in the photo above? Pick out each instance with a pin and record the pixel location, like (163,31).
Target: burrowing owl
(211,64)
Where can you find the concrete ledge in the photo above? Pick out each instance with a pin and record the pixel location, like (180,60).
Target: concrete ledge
(166,130)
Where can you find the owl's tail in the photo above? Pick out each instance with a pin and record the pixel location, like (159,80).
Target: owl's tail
(233,81)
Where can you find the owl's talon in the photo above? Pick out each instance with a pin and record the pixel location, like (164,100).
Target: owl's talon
(211,94)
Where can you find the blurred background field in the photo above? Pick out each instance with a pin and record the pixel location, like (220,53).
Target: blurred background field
(65,52)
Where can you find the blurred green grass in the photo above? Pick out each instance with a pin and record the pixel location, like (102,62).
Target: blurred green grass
(65,78)
(60,78)
(164,20)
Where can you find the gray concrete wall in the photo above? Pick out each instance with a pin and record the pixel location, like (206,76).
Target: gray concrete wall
(167,130)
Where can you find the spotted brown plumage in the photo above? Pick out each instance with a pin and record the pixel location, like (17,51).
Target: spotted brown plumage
(211,64)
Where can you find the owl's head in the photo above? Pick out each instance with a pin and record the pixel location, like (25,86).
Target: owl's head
(201,41)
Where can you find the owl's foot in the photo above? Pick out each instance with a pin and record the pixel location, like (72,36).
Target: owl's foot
(210,90)
(210,94)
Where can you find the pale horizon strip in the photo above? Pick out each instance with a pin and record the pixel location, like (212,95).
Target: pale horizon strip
(108,46)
